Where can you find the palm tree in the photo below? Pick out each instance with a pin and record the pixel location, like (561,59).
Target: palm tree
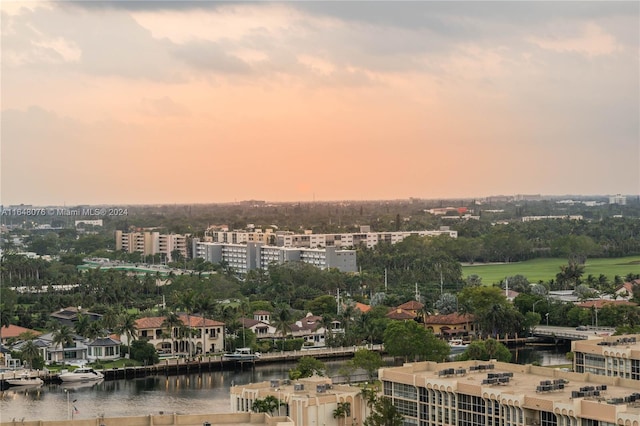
(63,337)
(29,352)
(110,318)
(5,318)
(94,330)
(171,323)
(369,394)
(127,327)
(342,411)
(267,405)
(282,319)
(187,300)
(82,325)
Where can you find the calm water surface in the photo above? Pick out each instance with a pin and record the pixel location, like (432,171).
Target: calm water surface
(207,392)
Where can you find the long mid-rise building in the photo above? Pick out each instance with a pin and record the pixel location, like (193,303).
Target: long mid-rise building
(245,257)
(311,240)
(476,393)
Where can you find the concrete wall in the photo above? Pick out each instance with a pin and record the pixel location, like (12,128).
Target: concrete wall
(241,419)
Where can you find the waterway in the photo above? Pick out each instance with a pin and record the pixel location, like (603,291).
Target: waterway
(207,392)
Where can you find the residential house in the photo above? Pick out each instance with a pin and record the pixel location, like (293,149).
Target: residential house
(625,290)
(103,349)
(74,353)
(69,316)
(362,307)
(449,325)
(311,329)
(262,330)
(12,331)
(601,303)
(400,314)
(263,316)
(412,306)
(208,338)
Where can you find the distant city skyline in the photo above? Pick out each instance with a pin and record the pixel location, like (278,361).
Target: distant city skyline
(167,102)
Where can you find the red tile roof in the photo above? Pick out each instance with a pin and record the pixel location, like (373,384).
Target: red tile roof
(600,303)
(400,314)
(450,319)
(15,330)
(362,307)
(411,305)
(195,321)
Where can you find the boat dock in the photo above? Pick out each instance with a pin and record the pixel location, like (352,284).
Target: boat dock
(199,364)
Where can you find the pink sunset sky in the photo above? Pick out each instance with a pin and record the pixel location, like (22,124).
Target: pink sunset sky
(178,102)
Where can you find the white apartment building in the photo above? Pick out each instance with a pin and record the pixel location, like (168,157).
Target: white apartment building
(245,257)
(151,242)
(618,199)
(313,241)
(534,218)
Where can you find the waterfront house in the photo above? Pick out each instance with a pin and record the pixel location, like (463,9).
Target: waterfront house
(73,353)
(103,349)
(208,336)
(262,330)
(311,329)
(450,325)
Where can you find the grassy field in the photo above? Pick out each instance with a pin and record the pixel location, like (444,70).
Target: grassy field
(546,269)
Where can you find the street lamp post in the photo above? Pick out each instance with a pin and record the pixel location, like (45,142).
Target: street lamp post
(535,303)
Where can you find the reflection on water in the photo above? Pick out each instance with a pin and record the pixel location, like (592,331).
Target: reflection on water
(546,355)
(207,392)
(195,393)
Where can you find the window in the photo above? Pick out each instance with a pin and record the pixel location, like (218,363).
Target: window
(548,419)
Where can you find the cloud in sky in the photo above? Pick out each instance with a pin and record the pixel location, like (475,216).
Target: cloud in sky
(146,102)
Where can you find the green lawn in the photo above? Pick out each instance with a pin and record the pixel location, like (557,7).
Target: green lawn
(546,269)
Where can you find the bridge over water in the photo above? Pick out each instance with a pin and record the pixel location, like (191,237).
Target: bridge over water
(571,333)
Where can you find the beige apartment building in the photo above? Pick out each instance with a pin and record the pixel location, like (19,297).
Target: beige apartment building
(151,242)
(308,402)
(613,356)
(476,393)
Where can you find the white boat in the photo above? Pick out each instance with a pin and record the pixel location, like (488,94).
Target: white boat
(242,354)
(81,375)
(457,345)
(25,379)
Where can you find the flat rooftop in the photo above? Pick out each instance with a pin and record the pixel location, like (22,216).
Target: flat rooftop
(526,381)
